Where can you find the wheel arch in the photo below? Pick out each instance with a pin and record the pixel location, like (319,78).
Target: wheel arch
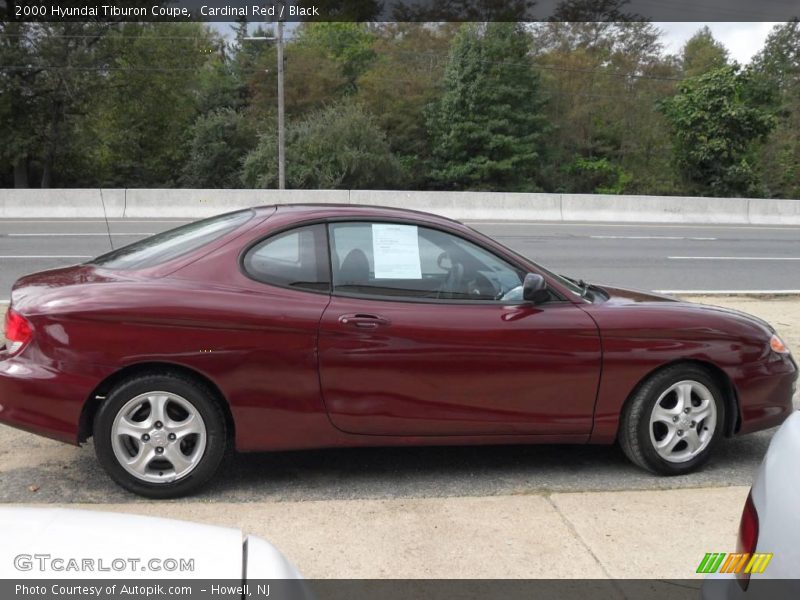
(95,399)
(729,395)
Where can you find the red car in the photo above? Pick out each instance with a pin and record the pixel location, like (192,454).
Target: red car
(321,325)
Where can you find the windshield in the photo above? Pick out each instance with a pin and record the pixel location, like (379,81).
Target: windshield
(165,246)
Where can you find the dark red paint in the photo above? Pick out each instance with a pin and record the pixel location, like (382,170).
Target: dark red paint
(297,371)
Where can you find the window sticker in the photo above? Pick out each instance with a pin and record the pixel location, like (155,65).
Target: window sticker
(396,251)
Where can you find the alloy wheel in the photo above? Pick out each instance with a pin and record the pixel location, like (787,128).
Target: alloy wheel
(683,421)
(158,437)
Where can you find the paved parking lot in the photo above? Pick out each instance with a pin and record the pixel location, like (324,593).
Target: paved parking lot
(575,535)
(60,473)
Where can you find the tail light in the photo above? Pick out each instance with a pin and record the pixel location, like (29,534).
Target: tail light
(18,330)
(748,537)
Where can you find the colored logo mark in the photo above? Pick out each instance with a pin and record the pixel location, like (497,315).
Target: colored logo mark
(716,562)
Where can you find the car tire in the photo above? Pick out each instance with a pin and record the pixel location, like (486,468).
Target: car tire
(160,435)
(673,421)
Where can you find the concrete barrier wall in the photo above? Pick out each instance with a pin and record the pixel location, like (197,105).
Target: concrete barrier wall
(497,206)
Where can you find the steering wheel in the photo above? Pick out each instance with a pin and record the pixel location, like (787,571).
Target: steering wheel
(482,287)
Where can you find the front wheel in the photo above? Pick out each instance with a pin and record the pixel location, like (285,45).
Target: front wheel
(673,421)
(160,435)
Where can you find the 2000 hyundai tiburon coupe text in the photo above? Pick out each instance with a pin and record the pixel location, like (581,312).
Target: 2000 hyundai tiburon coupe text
(310,326)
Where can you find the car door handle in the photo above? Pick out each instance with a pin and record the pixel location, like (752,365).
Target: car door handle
(363,320)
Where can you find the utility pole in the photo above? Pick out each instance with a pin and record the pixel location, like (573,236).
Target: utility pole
(281,112)
(281,117)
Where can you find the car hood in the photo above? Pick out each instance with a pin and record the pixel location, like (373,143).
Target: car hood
(622,296)
(216,552)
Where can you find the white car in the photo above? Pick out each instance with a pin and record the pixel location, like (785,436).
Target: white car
(57,543)
(770,525)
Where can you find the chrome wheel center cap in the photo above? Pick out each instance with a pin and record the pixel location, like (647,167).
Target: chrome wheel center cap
(158,437)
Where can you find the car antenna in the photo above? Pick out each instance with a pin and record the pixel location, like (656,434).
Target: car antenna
(105,216)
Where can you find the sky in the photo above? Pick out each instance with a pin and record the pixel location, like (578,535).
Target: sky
(742,40)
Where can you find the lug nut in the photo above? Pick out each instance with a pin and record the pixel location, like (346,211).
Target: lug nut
(686,410)
(674,419)
(693,423)
(680,432)
(146,437)
(159,450)
(171,437)
(159,424)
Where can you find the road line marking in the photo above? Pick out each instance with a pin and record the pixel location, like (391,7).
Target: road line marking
(650,237)
(105,234)
(635,225)
(45,256)
(100,220)
(734,257)
(731,292)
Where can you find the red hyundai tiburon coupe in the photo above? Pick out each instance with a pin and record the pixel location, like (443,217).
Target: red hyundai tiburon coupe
(306,326)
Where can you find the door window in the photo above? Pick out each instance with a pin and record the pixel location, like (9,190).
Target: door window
(296,259)
(400,260)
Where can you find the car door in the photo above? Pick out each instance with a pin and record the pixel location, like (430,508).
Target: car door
(426,334)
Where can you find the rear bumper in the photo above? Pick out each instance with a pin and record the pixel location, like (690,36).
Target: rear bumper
(43,399)
(765,392)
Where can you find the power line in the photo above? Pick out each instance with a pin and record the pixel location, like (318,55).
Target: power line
(197,67)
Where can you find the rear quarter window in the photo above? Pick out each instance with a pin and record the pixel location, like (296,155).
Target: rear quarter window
(296,259)
(163,247)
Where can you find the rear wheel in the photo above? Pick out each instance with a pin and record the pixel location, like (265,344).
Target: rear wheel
(673,421)
(160,435)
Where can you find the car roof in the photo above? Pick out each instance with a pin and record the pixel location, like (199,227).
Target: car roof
(329,210)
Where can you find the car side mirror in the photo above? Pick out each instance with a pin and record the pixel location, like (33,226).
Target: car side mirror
(534,289)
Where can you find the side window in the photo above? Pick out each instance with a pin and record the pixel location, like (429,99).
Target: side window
(400,260)
(296,259)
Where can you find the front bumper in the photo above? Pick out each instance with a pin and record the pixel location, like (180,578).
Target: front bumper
(765,391)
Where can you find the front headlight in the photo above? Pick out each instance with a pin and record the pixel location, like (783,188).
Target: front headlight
(777,345)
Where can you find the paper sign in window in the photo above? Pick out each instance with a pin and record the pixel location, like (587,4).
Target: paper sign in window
(395,249)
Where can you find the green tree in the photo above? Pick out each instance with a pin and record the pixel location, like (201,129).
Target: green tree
(598,176)
(348,44)
(715,128)
(143,118)
(602,79)
(486,128)
(17,102)
(49,80)
(220,141)
(776,70)
(312,79)
(339,147)
(703,53)
(401,82)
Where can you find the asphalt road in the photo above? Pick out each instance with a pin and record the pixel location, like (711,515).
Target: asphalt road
(646,256)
